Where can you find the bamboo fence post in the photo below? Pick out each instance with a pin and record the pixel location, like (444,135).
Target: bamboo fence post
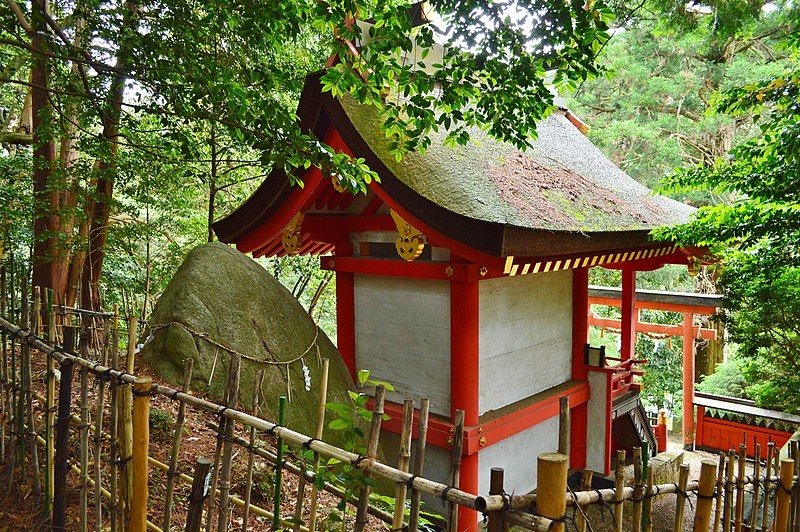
(202,470)
(12,442)
(114,427)
(211,499)
(177,434)
(323,399)
(767,485)
(18,448)
(727,516)
(372,451)
(495,521)
(83,460)
(141,442)
(248,489)
(619,488)
(783,496)
(551,482)
(419,462)
(98,431)
(125,436)
(705,496)
(563,425)
(455,467)
(403,463)
(62,437)
(681,496)
(4,367)
(795,497)
(648,503)
(231,397)
(756,486)
(638,489)
(32,443)
(776,467)
(49,413)
(276,511)
(586,485)
(740,472)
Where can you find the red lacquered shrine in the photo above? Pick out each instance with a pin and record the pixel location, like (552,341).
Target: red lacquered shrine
(462,276)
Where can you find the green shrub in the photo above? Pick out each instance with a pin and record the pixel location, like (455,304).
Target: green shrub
(728,379)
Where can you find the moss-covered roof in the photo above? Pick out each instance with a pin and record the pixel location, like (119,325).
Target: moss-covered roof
(562,183)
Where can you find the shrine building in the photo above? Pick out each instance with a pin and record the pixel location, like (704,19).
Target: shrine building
(462,276)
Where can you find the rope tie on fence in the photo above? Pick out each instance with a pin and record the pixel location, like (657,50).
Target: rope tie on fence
(307,444)
(272,429)
(787,491)
(146,393)
(445,491)
(410,481)
(358,460)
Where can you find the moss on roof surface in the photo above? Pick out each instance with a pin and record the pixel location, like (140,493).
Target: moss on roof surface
(562,183)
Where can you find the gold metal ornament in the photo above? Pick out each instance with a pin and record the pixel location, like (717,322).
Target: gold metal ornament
(410,241)
(292,239)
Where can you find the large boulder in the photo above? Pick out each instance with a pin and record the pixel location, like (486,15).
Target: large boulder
(220,296)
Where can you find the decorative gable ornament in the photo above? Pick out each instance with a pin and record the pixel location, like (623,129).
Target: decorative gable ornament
(292,238)
(410,241)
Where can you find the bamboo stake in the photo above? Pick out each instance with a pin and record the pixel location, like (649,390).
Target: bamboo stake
(49,413)
(276,518)
(648,503)
(372,451)
(98,431)
(720,490)
(114,424)
(756,487)
(495,521)
(795,496)
(4,370)
(177,434)
(551,482)
(231,397)
(202,470)
(767,486)
(125,484)
(18,439)
(455,466)
(680,502)
(83,460)
(323,399)
(705,493)
(619,490)
(638,492)
(563,425)
(781,523)
(32,445)
(62,437)
(776,466)
(728,507)
(403,462)
(251,457)
(211,500)
(586,485)
(741,462)
(419,462)
(141,442)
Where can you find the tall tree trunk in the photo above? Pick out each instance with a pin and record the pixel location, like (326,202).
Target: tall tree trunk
(212,183)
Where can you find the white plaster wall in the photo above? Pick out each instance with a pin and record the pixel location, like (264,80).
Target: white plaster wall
(517,456)
(403,336)
(597,412)
(525,336)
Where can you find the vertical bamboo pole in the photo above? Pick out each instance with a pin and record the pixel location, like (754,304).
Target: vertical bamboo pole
(49,412)
(495,521)
(680,502)
(403,463)
(32,443)
(231,397)
(455,467)
(62,437)
(141,442)
(98,431)
(22,399)
(276,515)
(202,470)
(767,486)
(248,487)
(783,496)
(638,489)
(372,451)
(84,450)
(551,482)
(648,503)
(4,369)
(114,427)
(741,462)
(720,493)
(586,485)
(563,425)
(177,434)
(212,491)
(618,491)
(756,487)
(705,496)
(419,462)
(323,399)
(776,466)
(795,495)
(727,516)
(125,433)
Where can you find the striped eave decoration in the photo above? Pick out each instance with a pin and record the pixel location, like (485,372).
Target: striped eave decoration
(525,266)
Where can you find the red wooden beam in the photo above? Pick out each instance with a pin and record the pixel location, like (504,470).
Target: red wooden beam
(629,314)
(446,271)
(654,305)
(654,328)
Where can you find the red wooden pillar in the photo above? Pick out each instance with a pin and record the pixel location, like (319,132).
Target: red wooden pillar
(346,313)
(580,335)
(628,321)
(464,367)
(688,381)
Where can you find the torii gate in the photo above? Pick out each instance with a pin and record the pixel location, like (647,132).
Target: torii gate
(688,304)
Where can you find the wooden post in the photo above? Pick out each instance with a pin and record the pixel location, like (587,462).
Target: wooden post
(741,462)
(638,489)
(563,425)
(125,432)
(141,443)
(720,493)
(62,437)
(419,462)
(688,381)
(551,482)
(680,502)
(586,485)
(248,485)
(756,487)
(795,496)
(767,485)
(83,460)
(403,463)
(177,434)
(618,490)
(705,496)
(32,443)
(372,451)
(114,429)
(98,431)
(781,523)
(323,399)
(629,314)
(495,523)
(455,467)
(202,470)
(648,503)
(49,414)
(276,511)
(231,397)
(728,501)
